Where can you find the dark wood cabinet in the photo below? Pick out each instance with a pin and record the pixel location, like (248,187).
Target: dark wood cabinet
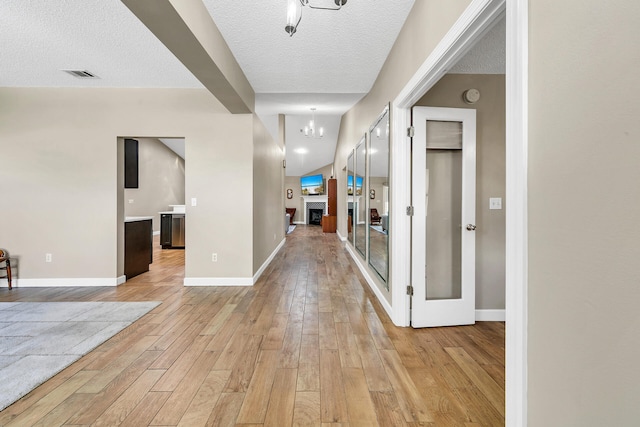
(329,222)
(138,247)
(332,196)
(130,163)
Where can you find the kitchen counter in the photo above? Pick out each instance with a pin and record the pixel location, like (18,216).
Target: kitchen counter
(171,213)
(137,218)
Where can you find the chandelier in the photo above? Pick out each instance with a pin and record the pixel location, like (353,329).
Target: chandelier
(294,12)
(310,130)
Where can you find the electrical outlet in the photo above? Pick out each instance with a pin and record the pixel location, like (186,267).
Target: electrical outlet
(214,257)
(130,201)
(48,258)
(274,236)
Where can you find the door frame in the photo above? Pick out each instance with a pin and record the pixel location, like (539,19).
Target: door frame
(470,27)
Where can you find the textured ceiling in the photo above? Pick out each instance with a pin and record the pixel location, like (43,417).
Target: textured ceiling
(487,56)
(40,38)
(306,154)
(330,63)
(297,110)
(332,51)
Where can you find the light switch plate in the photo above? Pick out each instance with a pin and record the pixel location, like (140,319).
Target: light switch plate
(495,203)
(194,201)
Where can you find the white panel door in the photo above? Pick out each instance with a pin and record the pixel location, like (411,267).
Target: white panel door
(443,222)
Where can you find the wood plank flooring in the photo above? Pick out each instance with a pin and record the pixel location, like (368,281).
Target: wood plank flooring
(308,345)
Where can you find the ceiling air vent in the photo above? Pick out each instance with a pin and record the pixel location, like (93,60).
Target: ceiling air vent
(81,74)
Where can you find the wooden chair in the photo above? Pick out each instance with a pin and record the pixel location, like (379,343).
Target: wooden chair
(375,218)
(292,212)
(4,258)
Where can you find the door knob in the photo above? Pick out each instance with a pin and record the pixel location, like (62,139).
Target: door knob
(471,227)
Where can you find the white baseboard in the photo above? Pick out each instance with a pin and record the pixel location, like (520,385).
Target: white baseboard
(342,239)
(156,233)
(490,315)
(370,281)
(299,222)
(233,281)
(68,282)
(218,281)
(268,261)
(120,280)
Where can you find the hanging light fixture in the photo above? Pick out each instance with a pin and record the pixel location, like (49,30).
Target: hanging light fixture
(310,130)
(294,12)
(294,15)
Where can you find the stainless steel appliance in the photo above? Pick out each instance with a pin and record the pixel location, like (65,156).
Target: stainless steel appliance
(177,230)
(172,235)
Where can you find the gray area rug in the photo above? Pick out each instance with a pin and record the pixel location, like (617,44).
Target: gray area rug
(40,339)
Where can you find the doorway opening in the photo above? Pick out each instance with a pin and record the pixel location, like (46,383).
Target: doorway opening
(158,191)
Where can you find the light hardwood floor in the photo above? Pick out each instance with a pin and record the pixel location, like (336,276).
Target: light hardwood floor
(307,345)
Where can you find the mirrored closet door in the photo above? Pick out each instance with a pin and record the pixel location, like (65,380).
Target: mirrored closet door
(378,180)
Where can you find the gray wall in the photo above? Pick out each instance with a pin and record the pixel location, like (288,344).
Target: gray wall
(268,193)
(490,175)
(161,181)
(584,205)
(63,192)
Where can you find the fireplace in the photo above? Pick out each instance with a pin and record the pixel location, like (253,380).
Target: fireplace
(318,203)
(315,216)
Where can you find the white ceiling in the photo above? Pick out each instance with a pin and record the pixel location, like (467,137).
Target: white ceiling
(174,144)
(330,63)
(332,51)
(488,55)
(40,38)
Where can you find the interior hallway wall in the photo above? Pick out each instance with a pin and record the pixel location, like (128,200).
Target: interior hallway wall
(583,210)
(60,168)
(268,197)
(426,25)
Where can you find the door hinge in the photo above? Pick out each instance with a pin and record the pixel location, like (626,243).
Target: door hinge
(410,131)
(410,210)
(410,290)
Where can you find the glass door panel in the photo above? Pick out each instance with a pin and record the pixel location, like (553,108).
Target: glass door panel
(443,180)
